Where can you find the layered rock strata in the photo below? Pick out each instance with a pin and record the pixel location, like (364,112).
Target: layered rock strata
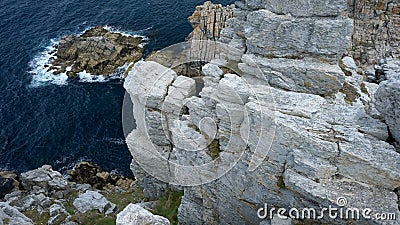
(97,51)
(208,20)
(301,103)
(376,30)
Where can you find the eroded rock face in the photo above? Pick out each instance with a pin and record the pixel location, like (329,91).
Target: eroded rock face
(44,177)
(97,51)
(134,214)
(304,104)
(376,30)
(208,20)
(275,35)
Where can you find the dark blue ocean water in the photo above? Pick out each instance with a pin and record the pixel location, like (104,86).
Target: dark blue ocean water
(60,125)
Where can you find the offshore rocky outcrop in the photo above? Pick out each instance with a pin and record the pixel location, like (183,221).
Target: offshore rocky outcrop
(321,123)
(97,51)
(376,30)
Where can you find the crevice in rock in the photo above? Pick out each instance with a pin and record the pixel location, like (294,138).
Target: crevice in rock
(397,192)
(393,141)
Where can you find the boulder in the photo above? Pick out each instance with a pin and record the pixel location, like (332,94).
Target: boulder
(92,200)
(44,177)
(134,214)
(212,70)
(57,214)
(305,75)
(32,201)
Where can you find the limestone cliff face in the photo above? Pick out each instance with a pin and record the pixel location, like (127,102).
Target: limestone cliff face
(376,30)
(300,100)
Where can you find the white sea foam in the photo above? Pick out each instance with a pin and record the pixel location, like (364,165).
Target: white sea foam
(40,68)
(41,64)
(89,78)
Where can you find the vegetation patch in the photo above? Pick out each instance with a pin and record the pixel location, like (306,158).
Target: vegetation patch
(194,127)
(94,217)
(6,221)
(214,149)
(69,201)
(122,200)
(364,89)
(36,217)
(281,182)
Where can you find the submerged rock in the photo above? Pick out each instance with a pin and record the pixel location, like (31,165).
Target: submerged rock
(97,51)
(208,20)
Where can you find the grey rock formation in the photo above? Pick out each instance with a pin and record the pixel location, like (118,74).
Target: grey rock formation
(387,99)
(57,214)
(33,201)
(92,200)
(212,70)
(14,217)
(299,119)
(307,75)
(134,214)
(45,178)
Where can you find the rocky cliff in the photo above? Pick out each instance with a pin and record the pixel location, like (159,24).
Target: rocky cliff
(44,196)
(301,126)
